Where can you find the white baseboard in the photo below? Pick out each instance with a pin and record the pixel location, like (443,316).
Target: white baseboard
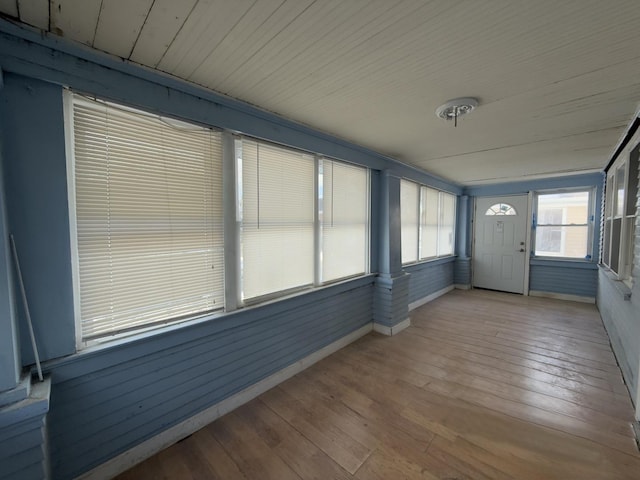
(390,331)
(429,298)
(462,286)
(150,447)
(562,296)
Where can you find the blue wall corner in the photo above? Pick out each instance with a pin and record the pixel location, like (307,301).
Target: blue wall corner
(37,209)
(10,359)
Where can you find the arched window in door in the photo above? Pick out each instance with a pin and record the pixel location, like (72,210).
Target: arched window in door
(501,209)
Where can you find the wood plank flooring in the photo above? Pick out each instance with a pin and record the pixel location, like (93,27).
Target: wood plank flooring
(483,385)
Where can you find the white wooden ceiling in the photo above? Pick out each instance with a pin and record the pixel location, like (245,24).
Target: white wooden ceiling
(557,80)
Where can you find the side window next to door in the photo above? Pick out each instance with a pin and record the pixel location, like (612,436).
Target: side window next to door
(563,223)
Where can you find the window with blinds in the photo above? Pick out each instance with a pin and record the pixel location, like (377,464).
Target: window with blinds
(427,222)
(277,202)
(148,204)
(446,227)
(430,216)
(409,220)
(344,219)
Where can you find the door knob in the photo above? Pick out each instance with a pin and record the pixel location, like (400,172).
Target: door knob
(521,250)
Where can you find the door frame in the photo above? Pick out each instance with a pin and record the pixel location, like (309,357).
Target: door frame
(527,235)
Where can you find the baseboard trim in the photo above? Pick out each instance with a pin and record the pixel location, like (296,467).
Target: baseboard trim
(462,286)
(562,296)
(430,298)
(390,331)
(150,447)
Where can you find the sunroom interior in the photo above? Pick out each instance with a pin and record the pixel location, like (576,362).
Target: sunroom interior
(202,199)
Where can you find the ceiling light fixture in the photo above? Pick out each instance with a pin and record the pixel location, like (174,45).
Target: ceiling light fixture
(456,108)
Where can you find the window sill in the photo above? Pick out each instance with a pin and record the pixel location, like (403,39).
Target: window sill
(564,262)
(622,288)
(430,261)
(143,343)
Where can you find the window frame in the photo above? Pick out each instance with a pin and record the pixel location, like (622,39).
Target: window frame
(620,241)
(317,223)
(127,330)
(590,224)
(423,191)
(231,218)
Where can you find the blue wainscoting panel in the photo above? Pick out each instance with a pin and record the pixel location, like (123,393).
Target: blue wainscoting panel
(429,277)
(390,305)
(620,311)
(462,271)
(23,436)
(568,278)
(621,318)
(103,405)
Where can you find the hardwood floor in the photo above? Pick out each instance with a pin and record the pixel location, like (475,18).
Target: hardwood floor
(483,385)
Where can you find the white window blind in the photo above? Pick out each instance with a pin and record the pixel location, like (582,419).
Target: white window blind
(447,224)
(277,202)
(148,197)
(430,208)
(428,219)
(344,219)
(409,220)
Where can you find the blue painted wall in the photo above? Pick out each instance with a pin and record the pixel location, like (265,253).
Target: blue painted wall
(10,361)
(107,399)
(429,277)
(571,278)
(556,276)
(38,212)
(464,218)
(621,312)
(23,434)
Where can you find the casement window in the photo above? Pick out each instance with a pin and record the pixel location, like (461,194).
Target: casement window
(564,224)
(147,195)
(621,196)
(427,218)
(304,220)
(147,216)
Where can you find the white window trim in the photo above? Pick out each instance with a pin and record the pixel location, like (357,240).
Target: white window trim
(231,216)
(126,333)
(628,221)
(590,224)
(440,215)
(67,98)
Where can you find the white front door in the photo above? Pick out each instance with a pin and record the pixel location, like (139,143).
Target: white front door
(499,247)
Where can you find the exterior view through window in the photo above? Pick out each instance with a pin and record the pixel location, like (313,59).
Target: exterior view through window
(563,224)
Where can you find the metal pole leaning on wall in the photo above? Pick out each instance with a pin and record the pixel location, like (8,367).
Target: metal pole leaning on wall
(26,307)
